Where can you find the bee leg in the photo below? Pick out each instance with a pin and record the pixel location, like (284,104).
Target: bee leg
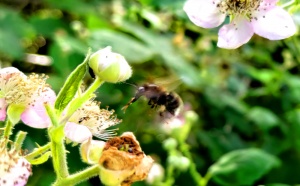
(129,103)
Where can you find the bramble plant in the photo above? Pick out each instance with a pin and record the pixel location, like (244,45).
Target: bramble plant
(239,122)
(71,115)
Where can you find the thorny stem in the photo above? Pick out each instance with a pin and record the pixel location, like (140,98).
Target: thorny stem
(20,137)
(78,177)
(58,150)
(8,128)
(52,115)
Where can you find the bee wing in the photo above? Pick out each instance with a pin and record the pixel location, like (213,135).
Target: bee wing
(170,83)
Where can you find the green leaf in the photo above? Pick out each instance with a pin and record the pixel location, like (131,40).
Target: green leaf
(41,159)
(13,30)
(263,118)
(121,43)
(71,85)
(242,167)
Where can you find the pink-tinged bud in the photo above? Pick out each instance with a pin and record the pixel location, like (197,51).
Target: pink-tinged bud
(109,66)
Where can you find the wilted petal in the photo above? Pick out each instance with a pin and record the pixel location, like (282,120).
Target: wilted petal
(3,106)
(77,133)
(36,115)
(204,13)
(275,24)
(235,34)
(91,150)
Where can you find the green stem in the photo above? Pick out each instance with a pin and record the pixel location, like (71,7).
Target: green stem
(170,178)
(193,169)
(52,115)
(38,151)
(77,102)
(78,177)
(58,151)
(8,129)
(20,137)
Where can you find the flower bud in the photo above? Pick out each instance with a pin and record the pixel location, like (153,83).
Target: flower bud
(109,66)
(170,144)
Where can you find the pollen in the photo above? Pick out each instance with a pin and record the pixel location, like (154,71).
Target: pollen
(238,7)
(96,120)
(21,89)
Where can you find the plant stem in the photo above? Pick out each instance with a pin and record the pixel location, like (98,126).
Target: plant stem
(78,177)
(193,169)
(20,137)
(51,113)
(58,152)
(7,129)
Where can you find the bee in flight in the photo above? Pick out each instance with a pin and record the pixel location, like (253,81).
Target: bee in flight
(167,103)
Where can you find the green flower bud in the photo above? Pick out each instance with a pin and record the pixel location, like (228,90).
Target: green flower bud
(109,66)
(170,144)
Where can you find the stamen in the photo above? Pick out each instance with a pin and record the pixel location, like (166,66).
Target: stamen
(96,120)
(238,7)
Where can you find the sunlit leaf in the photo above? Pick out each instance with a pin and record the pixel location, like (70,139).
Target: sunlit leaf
(242,167)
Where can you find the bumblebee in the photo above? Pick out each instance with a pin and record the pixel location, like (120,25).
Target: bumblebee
(167,103)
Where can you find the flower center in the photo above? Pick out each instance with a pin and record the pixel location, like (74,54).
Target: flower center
(238,7)
(96,120)
(23,90)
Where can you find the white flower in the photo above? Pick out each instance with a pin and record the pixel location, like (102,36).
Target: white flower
(261,17)
(23,97)
(89,121)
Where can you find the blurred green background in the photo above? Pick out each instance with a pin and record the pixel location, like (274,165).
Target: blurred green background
(244,98)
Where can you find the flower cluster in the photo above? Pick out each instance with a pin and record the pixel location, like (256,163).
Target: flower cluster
(261,17)
(73,115)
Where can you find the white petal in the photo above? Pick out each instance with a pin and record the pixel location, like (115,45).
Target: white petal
(36,115)
(204,13)
(3,106)
(77,133)
(235,34)
(33,118)
(275,24)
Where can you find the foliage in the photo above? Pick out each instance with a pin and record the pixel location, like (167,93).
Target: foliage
(247,130)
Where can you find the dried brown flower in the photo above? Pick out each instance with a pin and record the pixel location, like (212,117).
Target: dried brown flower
(123,161)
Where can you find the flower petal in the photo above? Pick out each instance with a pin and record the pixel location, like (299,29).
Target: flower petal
(3,106)
(235,34)
(204,13)
(275,24)
(36,115)
(77,133)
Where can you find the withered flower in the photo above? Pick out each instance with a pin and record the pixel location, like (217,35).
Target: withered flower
(123,161)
